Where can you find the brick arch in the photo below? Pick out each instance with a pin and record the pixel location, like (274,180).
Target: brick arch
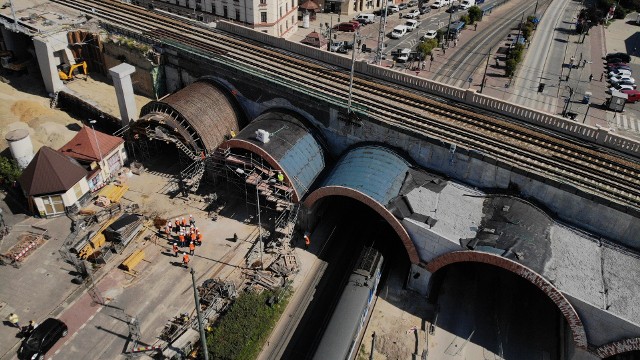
(567,310)
(395,224)
(236,143)
(618,347)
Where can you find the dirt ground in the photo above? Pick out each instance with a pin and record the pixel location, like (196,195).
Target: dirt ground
(26,105)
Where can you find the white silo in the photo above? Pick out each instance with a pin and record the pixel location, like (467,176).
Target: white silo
(20,146)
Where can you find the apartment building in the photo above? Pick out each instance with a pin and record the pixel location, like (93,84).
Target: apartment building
(274,17)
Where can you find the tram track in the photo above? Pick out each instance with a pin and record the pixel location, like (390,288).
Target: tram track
(524,147)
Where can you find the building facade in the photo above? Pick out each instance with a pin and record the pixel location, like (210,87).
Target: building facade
(274,17)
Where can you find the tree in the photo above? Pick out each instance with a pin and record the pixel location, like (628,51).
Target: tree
(475,13)
(466,19)
(527,30)
(510,67)
(426,47)
(9,170)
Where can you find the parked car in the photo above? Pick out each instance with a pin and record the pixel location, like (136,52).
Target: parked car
(619,87)
(412,24)
(42,338)
(614,66)
(336,45)
(425,9)
(618,55)
(439,3)
(624,82)
(366,18)
(399,31)
(620,72)
(347,26)
(633,95)
(431,34)
(618,79)
(412,3)
(413,14)
(393,9)
(403,6)
(403,55)
(453,9)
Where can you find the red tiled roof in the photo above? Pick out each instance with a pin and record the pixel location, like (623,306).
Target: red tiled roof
(84,147)
(50,172)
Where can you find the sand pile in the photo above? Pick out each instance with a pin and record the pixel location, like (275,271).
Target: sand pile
(47,126)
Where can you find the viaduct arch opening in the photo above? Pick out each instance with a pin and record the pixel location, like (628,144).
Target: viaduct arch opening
(573,321)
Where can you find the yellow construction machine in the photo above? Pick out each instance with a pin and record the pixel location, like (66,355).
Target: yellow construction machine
(67,73)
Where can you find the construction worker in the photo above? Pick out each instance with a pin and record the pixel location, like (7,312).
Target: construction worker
(192,221)
(14,320)
(184,222)
(280,177)
(181,239)
(177,224)
(185,260)
(169,228)
(192,248)
(176,250)
(194,237)
(307,241)
(200,237)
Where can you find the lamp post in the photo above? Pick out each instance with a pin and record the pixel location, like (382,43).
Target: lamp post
(97,143)
(259,228)
(203,340)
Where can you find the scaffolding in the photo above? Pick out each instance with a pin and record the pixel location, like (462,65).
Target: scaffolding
(248,174)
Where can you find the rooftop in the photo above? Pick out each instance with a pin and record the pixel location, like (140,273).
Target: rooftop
(40,16)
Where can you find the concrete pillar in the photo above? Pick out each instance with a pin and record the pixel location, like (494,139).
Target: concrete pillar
(121,75)
(48,65)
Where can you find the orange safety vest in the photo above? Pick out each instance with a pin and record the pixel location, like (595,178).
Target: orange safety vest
(193,236)
(185,259)
(184,222)
(181,238)
(200,236)
(192,246)
(177,223)
(307,241)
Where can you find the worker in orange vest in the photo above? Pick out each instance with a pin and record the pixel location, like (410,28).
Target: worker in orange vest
(193,236)
(200,237)
(184,222)
(185,260)
(181,239)
(176,250)
(177,224)
(192,248)
(307,241)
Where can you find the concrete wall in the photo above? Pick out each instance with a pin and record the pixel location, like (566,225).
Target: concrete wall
(142,78)
(47,61)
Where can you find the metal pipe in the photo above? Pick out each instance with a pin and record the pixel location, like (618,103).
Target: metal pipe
(353,65)
(259,229)
(484,76)
(203,339)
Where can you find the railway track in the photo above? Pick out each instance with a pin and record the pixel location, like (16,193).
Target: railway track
(556,158)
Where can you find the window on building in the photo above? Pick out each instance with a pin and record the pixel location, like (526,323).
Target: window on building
(237,14)
(263,2)
(293,3)
(225,11)
(263,17)
(280,12)
(287,8)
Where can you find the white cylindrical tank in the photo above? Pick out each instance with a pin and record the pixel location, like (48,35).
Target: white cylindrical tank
(305,20)
(20,146)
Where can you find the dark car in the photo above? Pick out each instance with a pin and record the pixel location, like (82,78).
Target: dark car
(612,66)
(621,56)
(42,338)
(453,8)
(347,26)
(425,9)
(403,6)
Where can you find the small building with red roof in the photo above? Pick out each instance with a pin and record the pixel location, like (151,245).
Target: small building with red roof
(54,183)
(101,154)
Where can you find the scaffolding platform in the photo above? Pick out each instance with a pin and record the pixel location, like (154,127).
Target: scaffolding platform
(113,192)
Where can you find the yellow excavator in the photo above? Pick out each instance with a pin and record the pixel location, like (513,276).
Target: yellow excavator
(67,73)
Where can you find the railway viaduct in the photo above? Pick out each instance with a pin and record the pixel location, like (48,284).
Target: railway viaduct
(449,201)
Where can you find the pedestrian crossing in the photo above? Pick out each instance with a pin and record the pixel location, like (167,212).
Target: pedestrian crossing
(539,101)
(627,122)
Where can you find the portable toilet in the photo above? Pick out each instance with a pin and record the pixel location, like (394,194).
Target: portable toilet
(617,100)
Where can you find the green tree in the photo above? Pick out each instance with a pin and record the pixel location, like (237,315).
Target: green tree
(9,170)
(426,47)
(475,13)
(527,30)
(467,20)
(510,67)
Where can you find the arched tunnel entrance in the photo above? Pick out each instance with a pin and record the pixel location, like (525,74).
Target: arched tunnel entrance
(484,309)
(344,226)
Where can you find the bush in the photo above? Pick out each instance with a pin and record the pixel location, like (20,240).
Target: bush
(242,330)
(527,30)
(467,20)
(475,13)
(9,170)
(426,47)
(510,67)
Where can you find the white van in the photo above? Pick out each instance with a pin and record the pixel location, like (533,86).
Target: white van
(399,31)
(366,18)
(412,24)
(467,4)
(403,55)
